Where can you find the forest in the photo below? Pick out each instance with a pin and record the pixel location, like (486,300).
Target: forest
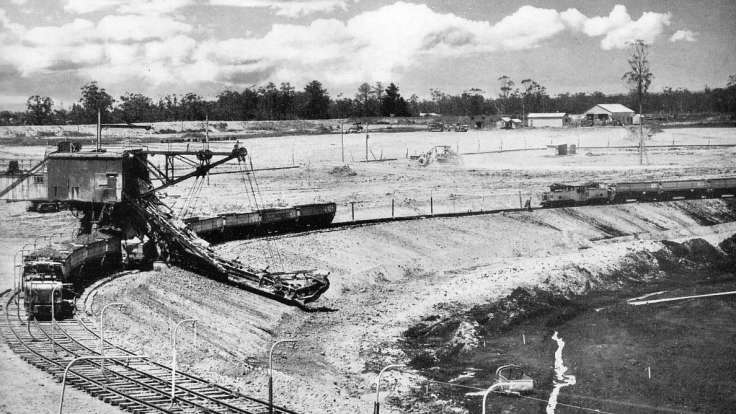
(285,102)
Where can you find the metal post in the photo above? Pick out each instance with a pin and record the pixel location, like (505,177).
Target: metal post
(641,134)
(352,209)
(490,390)
(342,142)
(206,131)
(101,350)
(270,372)
(99,130)
(366,145)
(392,208)
(22,251)
(87,358)
(431,206)
(173,356)
(53,318)
(377,404)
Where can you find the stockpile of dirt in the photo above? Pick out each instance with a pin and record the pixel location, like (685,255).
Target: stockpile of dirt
(343,171)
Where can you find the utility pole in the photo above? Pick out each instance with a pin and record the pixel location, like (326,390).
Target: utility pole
(99,130)
(641,135)
(342,142)
(206,131)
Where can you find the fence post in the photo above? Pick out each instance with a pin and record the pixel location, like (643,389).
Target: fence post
(431,206)
(392,208)
(352,210)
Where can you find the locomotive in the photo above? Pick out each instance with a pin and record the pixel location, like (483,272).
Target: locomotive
(560,195)
(52,275)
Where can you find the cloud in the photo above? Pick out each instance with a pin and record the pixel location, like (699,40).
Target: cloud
(143,46)
(293,9)
(618,28)
(90,6)
(82,45)
(125,6)
(526,28)
(76,32)
(139,27)
(685,35)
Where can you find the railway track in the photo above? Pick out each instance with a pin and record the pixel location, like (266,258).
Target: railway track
(137,386)
(342,225)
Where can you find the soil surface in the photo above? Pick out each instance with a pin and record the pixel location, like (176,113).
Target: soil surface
(389,278)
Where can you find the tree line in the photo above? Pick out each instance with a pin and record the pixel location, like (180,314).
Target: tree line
(284,102)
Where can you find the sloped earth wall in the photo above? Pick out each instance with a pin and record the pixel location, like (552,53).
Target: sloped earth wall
(611,346)
(387,279)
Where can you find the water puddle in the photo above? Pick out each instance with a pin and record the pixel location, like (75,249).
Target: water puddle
(561,379)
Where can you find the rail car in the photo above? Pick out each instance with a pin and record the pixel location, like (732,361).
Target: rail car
(52,274)
(571,195)
(230,226)
(599,193)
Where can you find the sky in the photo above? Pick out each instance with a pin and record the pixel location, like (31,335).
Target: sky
(53,47)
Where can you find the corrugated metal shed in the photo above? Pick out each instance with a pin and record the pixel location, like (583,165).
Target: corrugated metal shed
(546,115)
(85,176)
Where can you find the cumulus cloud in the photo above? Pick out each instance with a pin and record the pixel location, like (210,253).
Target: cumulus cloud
(139,27)
(82,44)
(684,35)
(125,6)
(619,29)
(155,48)
(287,8)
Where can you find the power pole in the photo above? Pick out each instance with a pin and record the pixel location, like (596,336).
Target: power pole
(99,130)
(641,135)
(342,142)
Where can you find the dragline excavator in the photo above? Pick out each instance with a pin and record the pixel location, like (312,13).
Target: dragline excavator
(118,191)
(186,248)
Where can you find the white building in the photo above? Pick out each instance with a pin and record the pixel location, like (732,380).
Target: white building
(604,114)
(549,119)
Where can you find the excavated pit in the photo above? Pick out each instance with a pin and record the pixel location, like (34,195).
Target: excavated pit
(611,346)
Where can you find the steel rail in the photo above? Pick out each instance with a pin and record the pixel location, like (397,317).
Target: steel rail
(189,377)
(234,394)
(161,391)
(48,365)
(158,391)
(344,225)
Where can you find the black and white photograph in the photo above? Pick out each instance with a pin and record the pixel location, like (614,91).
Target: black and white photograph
(367,206)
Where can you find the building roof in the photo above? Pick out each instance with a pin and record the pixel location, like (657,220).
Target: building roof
(609,109)
(89,155)
(546,115)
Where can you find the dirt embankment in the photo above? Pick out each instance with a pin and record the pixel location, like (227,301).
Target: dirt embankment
(387,278)
(179,131)
(610,345)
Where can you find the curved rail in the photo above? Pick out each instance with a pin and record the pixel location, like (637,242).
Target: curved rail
(140,387)
(342,225)
(85,324)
